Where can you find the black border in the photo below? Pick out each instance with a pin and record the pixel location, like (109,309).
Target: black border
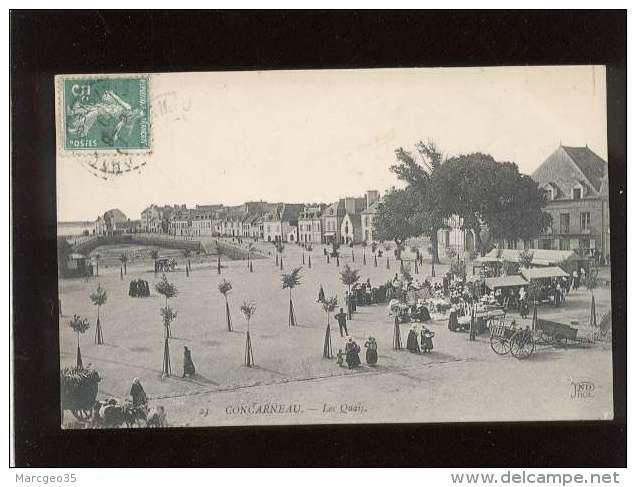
(45,43)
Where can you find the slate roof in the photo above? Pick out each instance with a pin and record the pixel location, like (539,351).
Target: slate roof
(591,165)
(373,208)
(290,212)
(568,167)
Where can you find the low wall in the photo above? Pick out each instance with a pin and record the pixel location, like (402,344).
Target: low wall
(236,253)
(167,243)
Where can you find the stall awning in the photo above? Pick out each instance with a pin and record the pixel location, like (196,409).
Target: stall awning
(543,273)
(539,256)
(506,281)
(486,259)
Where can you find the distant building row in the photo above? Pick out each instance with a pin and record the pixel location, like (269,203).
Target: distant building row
(347,220)
(575,179)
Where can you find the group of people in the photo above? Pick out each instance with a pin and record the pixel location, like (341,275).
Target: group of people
(425,343)
(138,289)
(352,350)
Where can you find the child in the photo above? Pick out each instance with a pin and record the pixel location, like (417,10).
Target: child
(339,358)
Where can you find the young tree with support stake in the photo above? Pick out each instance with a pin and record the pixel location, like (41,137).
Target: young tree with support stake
(168,315)
(248,309)
(349,277)
(99,298)
(168,290)
(591,282)
(124,260)
(154,254)
(79,325)
(534,294)
(225,287)
(328,305)
(290,281)
(251,248)
(186,254)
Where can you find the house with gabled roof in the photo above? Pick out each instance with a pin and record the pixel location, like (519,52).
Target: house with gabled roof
(575,180)
(112,222)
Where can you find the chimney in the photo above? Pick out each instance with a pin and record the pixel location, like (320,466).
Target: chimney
(372,196)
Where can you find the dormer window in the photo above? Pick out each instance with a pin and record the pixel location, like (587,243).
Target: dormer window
(577,192)
(550,192)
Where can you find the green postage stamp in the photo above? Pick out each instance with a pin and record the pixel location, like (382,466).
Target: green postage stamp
(106,113)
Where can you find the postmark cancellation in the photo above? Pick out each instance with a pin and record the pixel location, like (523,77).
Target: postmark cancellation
(104,121)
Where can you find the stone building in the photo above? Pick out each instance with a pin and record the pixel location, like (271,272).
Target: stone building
(576,182)
(310,224)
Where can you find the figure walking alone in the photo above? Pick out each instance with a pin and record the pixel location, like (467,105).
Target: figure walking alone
(188,364)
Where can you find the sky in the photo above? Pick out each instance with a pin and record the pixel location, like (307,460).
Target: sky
(316,136)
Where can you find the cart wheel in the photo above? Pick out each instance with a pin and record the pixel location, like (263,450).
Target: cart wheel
(499,345)
(521,345)
(82,414)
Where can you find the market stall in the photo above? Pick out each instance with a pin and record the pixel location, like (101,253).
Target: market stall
(506,289)
(546,282)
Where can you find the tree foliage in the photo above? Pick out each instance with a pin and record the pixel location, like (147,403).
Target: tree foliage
(166,288)
(330,304)
(482,191)
(225,287)
(168,315)
(248,309)
(79,324)
(291,279)
(349,276)
(99,296)
(396,217)
(419,178)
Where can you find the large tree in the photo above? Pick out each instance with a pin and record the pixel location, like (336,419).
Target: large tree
(484,192)
(416,169)
(395,219)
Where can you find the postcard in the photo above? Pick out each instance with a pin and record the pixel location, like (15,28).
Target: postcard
(333,247)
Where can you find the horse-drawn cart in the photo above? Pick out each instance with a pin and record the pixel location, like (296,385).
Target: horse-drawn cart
(521,342)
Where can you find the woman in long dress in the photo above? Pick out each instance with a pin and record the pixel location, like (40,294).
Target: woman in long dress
(372,351)
(137,393)
(412,344)
(427,339)
(352,349)
(188,364)
(321,295)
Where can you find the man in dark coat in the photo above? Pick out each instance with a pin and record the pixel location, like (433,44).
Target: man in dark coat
(188,364)
(352,349)
(137,393)
(342,322)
